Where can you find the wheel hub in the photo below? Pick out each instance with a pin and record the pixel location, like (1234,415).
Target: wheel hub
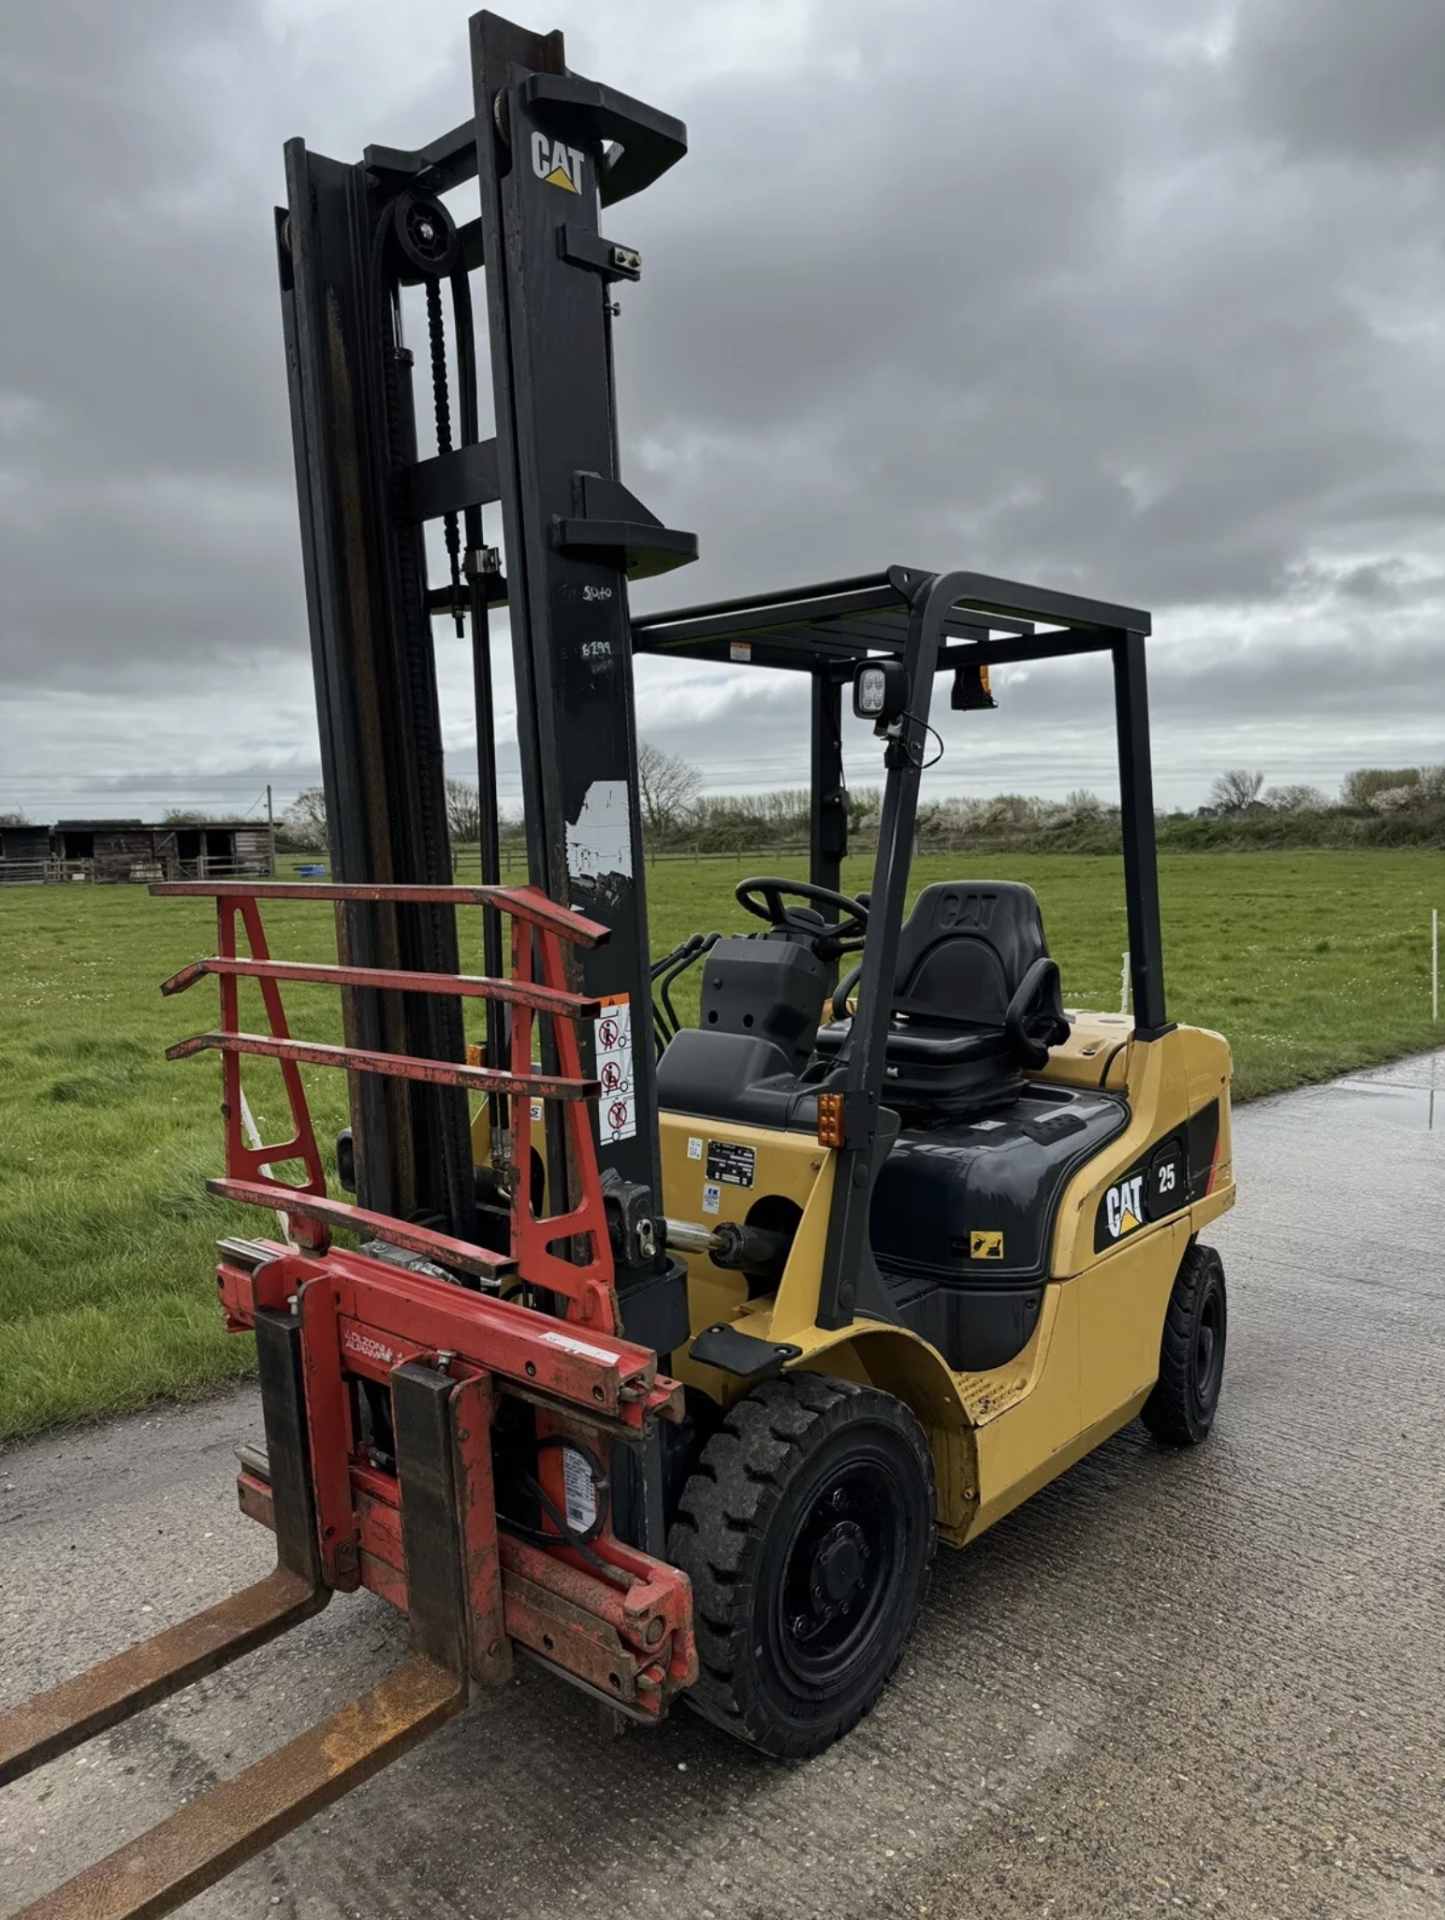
(838,1565)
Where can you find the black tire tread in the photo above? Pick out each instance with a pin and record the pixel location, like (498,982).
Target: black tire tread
(725,1506)
(1167,1413)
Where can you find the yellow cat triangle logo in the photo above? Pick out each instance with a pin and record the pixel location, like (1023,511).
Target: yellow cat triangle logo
(1128,1223)
(558,178)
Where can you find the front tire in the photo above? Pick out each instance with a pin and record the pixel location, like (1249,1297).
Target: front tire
(1181,1409)
(808,1531)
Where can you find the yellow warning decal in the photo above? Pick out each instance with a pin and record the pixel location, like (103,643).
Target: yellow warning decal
(985,1246)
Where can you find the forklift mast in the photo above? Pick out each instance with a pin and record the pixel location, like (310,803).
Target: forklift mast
(549,150)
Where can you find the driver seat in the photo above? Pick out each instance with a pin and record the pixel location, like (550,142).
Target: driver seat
(976,1002)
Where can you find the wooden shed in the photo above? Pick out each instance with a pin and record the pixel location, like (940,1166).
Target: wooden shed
(214,849)
(24,852)
(136,851)
(107,849)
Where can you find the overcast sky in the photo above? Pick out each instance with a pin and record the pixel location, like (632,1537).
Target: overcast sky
(1138,297)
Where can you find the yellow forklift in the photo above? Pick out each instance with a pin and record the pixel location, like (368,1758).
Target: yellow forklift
(661,1353)
(944,1233)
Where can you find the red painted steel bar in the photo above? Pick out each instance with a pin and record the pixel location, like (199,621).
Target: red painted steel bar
(636,1623)
(399,1315)
(469,986)
(441,1247)
(524,903)
(403,1066)
(533,1240)
(243,1160)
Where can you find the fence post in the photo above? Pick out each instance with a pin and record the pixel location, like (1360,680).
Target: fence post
(1434,963)
(1124,986)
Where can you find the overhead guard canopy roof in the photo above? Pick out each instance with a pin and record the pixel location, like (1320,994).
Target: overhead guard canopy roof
(844,621)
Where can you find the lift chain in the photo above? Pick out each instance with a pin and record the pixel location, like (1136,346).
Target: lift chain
(436,330)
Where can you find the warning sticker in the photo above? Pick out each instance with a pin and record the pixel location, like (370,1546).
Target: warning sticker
(694,1147)
(711,1197)
(617,1112)
(731,1164)
(985,1246)
(740,650)
(581,1492)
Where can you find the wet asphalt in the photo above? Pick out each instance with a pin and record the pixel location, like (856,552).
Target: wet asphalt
(1200,1683)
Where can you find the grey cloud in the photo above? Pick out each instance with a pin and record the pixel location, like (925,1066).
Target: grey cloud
(1133,299)
(1339,79)
(1075,341)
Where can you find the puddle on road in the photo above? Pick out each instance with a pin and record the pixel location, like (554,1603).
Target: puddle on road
(1418,1108)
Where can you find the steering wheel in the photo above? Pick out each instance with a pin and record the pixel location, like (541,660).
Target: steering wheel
(764,899)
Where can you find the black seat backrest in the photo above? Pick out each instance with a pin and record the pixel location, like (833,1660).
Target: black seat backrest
(964,949)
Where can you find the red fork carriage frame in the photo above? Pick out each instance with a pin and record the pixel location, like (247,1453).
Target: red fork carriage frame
(419,1528)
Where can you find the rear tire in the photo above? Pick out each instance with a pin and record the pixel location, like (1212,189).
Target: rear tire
(1181,1409)
(808,1531)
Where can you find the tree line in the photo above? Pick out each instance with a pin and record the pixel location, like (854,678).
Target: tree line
(1380,789)
(1375,805)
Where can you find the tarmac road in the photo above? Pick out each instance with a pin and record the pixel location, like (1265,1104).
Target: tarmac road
(1209,1683)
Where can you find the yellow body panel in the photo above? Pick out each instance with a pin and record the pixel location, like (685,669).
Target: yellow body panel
(1094,1354)
(1166,1081)
(1084,1058)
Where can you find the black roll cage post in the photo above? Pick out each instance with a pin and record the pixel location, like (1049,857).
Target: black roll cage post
(934,623)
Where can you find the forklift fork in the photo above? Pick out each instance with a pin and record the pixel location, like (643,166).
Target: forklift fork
(205,1840)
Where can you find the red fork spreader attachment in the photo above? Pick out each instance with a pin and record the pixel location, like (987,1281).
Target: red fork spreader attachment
(390,1396)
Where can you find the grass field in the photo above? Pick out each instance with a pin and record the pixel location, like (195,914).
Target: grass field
(1312,963)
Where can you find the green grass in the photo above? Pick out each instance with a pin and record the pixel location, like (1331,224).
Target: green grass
(1312,963)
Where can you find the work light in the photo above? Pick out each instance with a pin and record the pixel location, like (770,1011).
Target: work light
(880,692)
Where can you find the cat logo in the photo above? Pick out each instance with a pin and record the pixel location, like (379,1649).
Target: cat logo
(1124,1206)
(557,163)
(966,910)
(985,1246)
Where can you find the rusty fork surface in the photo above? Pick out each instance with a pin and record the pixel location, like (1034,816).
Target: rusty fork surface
(202,1842)
(52,1723)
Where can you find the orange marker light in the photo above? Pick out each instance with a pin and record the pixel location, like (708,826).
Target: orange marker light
(830,1119)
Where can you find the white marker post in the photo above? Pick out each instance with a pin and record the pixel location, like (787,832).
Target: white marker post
(1124,987)
(253,1140)
(1434,963)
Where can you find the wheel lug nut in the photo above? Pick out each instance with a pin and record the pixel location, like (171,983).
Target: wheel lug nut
(840,1499)
(800,1623)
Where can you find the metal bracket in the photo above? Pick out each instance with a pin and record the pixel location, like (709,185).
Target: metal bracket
(742,1354)
(610,517)
(606,257)
(648,142)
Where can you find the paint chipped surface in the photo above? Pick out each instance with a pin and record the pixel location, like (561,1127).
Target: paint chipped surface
(599,841)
